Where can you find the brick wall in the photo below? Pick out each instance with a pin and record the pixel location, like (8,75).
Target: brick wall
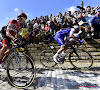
(92,46)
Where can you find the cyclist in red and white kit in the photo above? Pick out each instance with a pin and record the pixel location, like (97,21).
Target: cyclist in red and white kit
(8,33)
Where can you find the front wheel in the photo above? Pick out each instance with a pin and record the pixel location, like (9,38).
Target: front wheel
(83,60)
(21,71)
(46,59)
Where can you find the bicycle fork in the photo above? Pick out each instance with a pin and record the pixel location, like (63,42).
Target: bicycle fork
(16,57)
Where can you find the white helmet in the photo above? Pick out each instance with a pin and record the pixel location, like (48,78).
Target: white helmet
(75,26)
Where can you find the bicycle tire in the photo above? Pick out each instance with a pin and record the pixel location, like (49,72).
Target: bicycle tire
(85,62)
(15,73)
(46,59)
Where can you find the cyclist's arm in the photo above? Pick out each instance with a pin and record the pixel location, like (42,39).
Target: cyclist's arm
(67,40)
(72,36)
(9,35)
(92,29)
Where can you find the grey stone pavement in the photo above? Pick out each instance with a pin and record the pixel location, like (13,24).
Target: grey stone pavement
(62,77)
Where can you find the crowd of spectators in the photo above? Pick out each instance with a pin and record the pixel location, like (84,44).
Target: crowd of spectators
(43,29)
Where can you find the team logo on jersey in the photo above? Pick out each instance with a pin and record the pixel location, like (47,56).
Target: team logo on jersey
(12,27)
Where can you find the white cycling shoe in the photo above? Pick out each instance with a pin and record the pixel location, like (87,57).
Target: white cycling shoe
(55,59)
(1,68)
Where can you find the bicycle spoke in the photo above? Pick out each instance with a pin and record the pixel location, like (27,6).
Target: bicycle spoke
(21,73)
(46,59)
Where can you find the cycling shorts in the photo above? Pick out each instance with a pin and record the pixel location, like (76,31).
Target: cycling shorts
(60,41)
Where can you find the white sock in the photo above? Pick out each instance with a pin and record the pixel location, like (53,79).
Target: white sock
(63,53)
(56,55)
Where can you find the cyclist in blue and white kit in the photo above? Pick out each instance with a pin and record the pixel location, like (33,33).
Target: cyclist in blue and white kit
(62,37)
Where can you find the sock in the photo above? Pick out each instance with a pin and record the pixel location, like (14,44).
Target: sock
(63,53)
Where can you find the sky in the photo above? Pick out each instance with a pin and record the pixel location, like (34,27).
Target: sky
(9,9)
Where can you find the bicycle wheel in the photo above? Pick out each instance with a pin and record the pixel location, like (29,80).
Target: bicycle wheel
(46,59)
(83,62)
(21,73)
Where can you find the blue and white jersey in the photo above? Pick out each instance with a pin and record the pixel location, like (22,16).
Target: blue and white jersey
(59,37)
(64,33)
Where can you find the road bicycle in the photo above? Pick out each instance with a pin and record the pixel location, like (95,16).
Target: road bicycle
(20,67)
(78,57)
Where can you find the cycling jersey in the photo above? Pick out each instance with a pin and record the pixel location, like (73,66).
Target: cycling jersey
(13,27)
(59,37)
(23,32)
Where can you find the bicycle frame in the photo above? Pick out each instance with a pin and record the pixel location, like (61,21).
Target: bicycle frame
(69,50)
(15,53)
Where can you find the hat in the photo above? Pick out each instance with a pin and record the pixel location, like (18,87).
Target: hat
(98,10)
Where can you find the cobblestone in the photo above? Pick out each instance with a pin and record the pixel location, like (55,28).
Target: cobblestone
(62,77)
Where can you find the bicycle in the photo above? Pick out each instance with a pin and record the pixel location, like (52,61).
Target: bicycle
(20,67)
(80,59)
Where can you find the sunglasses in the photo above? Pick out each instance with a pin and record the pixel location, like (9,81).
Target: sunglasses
(22,18)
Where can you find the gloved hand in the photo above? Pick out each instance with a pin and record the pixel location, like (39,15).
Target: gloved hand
(15,40)
(80,41)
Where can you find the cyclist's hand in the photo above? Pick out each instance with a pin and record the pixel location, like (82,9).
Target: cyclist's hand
(16,40)
(80,41)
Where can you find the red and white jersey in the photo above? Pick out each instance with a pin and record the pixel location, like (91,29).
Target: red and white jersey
(13,27)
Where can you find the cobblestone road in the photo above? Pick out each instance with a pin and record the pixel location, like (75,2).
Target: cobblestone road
(62,77)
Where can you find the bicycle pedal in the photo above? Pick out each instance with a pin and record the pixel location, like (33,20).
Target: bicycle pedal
(61,62)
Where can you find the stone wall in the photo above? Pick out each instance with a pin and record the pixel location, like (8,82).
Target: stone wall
(92,46)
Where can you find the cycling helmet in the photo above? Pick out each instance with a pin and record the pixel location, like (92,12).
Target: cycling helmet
(22,15)
(76,27)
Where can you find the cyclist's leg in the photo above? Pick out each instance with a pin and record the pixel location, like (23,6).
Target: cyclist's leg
(2,52)
(7,52)
(62,44)
(4,48)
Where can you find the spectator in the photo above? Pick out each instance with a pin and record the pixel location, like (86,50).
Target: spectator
(82,21)
(36,35)
(95,24)
(53,26)
(47,38)
(69,19)
(59,19)
(50,16)
(64,16)
(88,10)
(47,27)
(42,23)
(33,22)
(75,14)
(88,15)
(93,12)
(46,18)
(30,32)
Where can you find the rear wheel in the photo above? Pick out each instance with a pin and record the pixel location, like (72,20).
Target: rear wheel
(46,59)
